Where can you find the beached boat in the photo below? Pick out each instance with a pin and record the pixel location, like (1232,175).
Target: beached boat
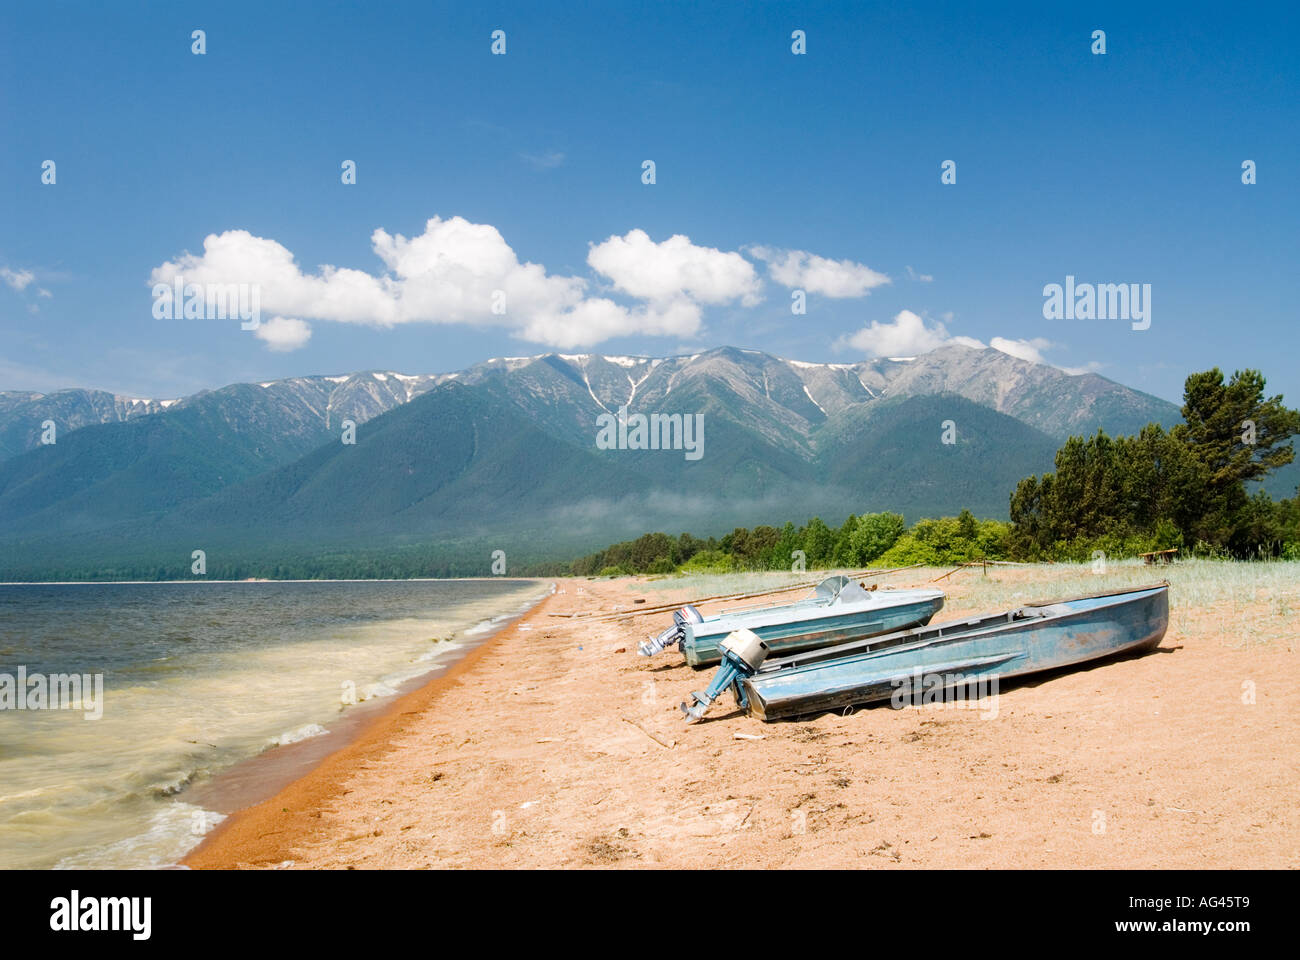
(839,609)
(1028,639)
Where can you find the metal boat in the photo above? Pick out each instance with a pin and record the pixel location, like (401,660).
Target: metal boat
(838,610)
(1028,639)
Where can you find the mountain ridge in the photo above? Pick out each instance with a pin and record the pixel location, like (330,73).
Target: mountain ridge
(506,450)
(998,380)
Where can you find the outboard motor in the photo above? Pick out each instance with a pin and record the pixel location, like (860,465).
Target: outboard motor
(687,614)
(743,652)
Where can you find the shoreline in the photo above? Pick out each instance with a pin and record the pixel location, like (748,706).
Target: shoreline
(305,772)
(552,745)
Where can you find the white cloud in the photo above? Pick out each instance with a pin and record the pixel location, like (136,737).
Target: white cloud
(799,269)
(283,333)
(921,277)
(1031,350)
(18,279)
(905,336)
(675,269)
(908,335)
(458,272)
(1092,366)
(543,161)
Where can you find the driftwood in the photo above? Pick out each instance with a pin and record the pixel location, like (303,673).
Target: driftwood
(667,746)
(979,563)
(721,598)
(1164,556)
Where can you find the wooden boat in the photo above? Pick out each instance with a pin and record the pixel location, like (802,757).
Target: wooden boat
(838,610)
(1028,639)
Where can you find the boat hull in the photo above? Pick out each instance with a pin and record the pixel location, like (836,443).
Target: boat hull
(794,629)
(1049,636)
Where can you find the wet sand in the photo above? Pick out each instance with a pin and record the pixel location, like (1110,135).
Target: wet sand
(259,777)
(555,745)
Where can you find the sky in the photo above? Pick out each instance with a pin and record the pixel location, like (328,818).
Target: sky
(500,206)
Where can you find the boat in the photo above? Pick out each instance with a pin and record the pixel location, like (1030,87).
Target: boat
(1028,639)
(839,609)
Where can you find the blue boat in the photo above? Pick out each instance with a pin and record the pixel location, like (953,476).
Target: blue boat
(1028,639)
(837,611)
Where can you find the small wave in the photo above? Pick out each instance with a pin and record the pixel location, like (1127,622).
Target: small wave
(305,732)
(172,831)
(486,626)
(447,647)
(172,786)
(379,689)
(25,794)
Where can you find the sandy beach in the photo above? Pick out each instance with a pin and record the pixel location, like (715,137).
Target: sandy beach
(555,745)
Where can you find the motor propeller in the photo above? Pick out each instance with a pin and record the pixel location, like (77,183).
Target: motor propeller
(674,634)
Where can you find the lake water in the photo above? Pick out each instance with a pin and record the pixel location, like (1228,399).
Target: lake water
(196,677)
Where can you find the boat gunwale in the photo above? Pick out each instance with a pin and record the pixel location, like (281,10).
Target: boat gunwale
(810,634)
(919,595)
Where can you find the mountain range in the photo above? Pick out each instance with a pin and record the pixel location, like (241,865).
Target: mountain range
(504,455)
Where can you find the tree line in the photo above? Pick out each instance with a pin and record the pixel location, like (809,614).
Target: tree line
(1194,486)
(883,539)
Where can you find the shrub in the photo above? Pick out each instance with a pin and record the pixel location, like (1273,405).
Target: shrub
(874,534)
(708,561)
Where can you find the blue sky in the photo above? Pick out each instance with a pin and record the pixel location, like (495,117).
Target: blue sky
(1122,168)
